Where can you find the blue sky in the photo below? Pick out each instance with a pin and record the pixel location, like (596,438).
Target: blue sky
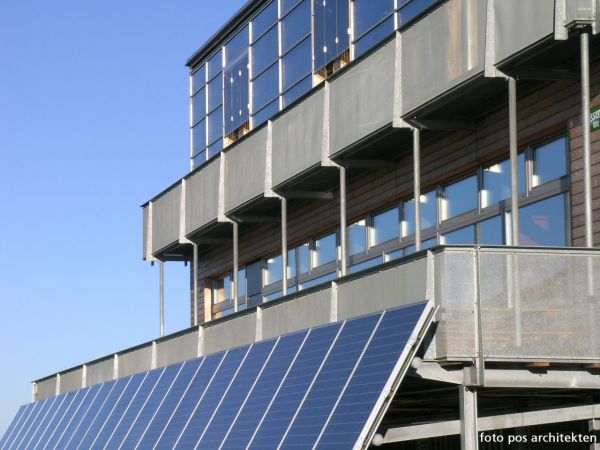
(93,122)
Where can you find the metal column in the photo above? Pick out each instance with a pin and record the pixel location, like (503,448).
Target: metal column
(343,228)
(514,162)
(284,249)
(468,418)
(235,265)
(195,283)
(162,298)
(417,185)
(585,130)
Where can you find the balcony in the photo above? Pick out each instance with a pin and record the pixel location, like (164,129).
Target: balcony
(495,304)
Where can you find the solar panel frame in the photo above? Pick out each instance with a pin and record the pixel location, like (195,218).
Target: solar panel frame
(53,423)
(90,414)
(187,405)
(249,408)
(121,430)
(343,357)
(197,419)
(276,408)
(254,363)
(67,418)
(80,414)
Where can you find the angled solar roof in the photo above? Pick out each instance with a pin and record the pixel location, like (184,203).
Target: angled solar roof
(325,387)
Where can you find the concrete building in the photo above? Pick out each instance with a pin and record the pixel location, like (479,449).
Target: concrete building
(350,157)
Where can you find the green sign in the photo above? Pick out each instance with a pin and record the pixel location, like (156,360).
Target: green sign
(595,118)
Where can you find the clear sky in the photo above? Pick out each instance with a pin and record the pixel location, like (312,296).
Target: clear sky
(93,122)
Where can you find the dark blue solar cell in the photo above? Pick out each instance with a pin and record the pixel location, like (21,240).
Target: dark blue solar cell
(103,414)
(67,417)
(330,381)
(294,387)
(18,434)
(231,363)
(236,394)
(78,416)
(91,413)
(169,404)
(48,407)
(53,424)
(147,407)
(184,410)
(118,410)
(244,426)
(134,408)
(370,377)
(16,423)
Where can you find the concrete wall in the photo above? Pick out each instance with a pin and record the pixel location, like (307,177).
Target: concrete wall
(165,219)
(101,371)
(245,170)
(71,381)
(136,361)
(180,348)
(228,334)
(202,197)
(45,389)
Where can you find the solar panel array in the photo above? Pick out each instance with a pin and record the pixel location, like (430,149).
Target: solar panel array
(315,388)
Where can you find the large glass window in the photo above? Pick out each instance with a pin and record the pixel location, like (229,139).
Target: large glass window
(325,250)
(331,30)
(215,65)
(428,213)
(264,53)
(198,79)
(464,235)
(491,231)
(368,14)
(357,237)
(222,289)
(386,226)
(408,10)
(299,89)
(543,223)
(273,271)
(264,20)
(265,88)
(215,125)
(550,161)
(199,106)
(460,197)
(236,95)
(215,93)
(295,26)
(497,181)
(199,138)
(296,64)
(374,37)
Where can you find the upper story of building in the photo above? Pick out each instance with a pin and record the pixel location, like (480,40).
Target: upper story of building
(273,52)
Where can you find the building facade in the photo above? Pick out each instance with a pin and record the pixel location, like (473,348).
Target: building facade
(350,157)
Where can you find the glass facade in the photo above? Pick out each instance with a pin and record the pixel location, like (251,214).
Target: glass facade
(270,62)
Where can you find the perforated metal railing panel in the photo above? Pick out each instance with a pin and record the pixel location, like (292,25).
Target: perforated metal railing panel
(325,387)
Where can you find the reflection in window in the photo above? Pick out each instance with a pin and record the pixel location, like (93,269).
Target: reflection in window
(325,250)
(295,26)
(236,95)
(199,137)
(264,52)
(215,148)
(264,20)
(215,65)
(410,9)
(550,161)
(215,125)
(296,64)
(198,79)
(221,289)
(241,283)
(297,91)
(424,246)
(385,226)
(331,30)
(357,237)
(237,47)
(199,106)
(265,88)
(464,235)
(368,14)
(303,258)
(320,280)
(428,213)
(460,197)
(274,271)
(491,231)
(374,37)
(264,114)
(215,93)
(543,223)
(497,180)
(365,264)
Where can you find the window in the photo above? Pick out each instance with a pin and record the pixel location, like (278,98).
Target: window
(373,22)
(357,237)
(464,235)
(408,10)
(491,231)
(221,290)
(543,223)
(264,52)
(331,30)
(385,226)
(296,65)
(265,88)
(264,20)
(273,271)
(297,91)
(198,79)
(497,181)
(550,161)
(428,213)
(236,95)
(365,264)
(295,26)
(325,250)
(460,197)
